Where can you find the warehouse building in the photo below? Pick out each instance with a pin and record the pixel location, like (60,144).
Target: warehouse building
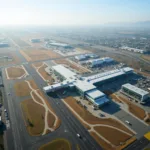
(85,86)
(86,56)
(100,61)
(4,45)
(135,93)
(35,40)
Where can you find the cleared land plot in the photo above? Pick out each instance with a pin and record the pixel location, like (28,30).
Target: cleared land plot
(15,72)
(134,109)
(88,117)
(34,55)
(71,65)
(109,133)
(10,59)
(58,144)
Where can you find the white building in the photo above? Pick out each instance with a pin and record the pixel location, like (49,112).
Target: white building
(100,61)
(133,49)
(135,92)
(85,86)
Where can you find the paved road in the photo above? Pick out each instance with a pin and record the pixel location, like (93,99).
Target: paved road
(17,136)
(138,145)
(137,125)
(73,125)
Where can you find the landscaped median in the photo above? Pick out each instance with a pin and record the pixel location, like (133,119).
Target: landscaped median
(40,69)
(16,72)
(58,144)
(108,132)
(38,115)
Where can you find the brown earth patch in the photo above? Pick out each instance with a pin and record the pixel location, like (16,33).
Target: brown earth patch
(101,142)
(110,133)
(88,117)
(34,119)
(15,72)
(34,55)
(133,108)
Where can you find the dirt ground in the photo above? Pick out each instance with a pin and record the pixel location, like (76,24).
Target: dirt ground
(45,75)
(101,142)
(146,57)
(15,72)
(22,88)
(58,144)
(88,117)
(34,55)
(15,59)
(109,133)
(18,41)
(77,68)
(37,64)
(34,119)
(134,109)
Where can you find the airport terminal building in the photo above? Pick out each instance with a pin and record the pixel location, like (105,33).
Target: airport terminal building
(135,92)
(85,86)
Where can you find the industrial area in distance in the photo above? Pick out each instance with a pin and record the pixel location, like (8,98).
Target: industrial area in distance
(60,92)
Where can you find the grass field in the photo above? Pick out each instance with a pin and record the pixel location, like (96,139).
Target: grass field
(6,61)
(88,117)
(39,116)
(22,88)
(45,75)
(106,132)
(109,133)
(58,144)
(146,57)
(15,72)
(35,118)
(34,55)
(101,142)
(66,62)
(134,109)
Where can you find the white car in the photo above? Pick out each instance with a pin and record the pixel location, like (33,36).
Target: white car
(128,122)
(78,135)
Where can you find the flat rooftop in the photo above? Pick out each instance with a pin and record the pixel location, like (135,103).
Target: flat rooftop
(135,89)
(84,85)
(95,93)
(66,73)
(107,75)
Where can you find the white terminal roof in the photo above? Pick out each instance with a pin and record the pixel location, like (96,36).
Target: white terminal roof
(58,44)
(107,75)
(135,89)
(95,93)
(66,73)
(65,83)
(84,85)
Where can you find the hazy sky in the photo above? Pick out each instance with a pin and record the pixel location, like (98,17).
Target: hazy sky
(73,12)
